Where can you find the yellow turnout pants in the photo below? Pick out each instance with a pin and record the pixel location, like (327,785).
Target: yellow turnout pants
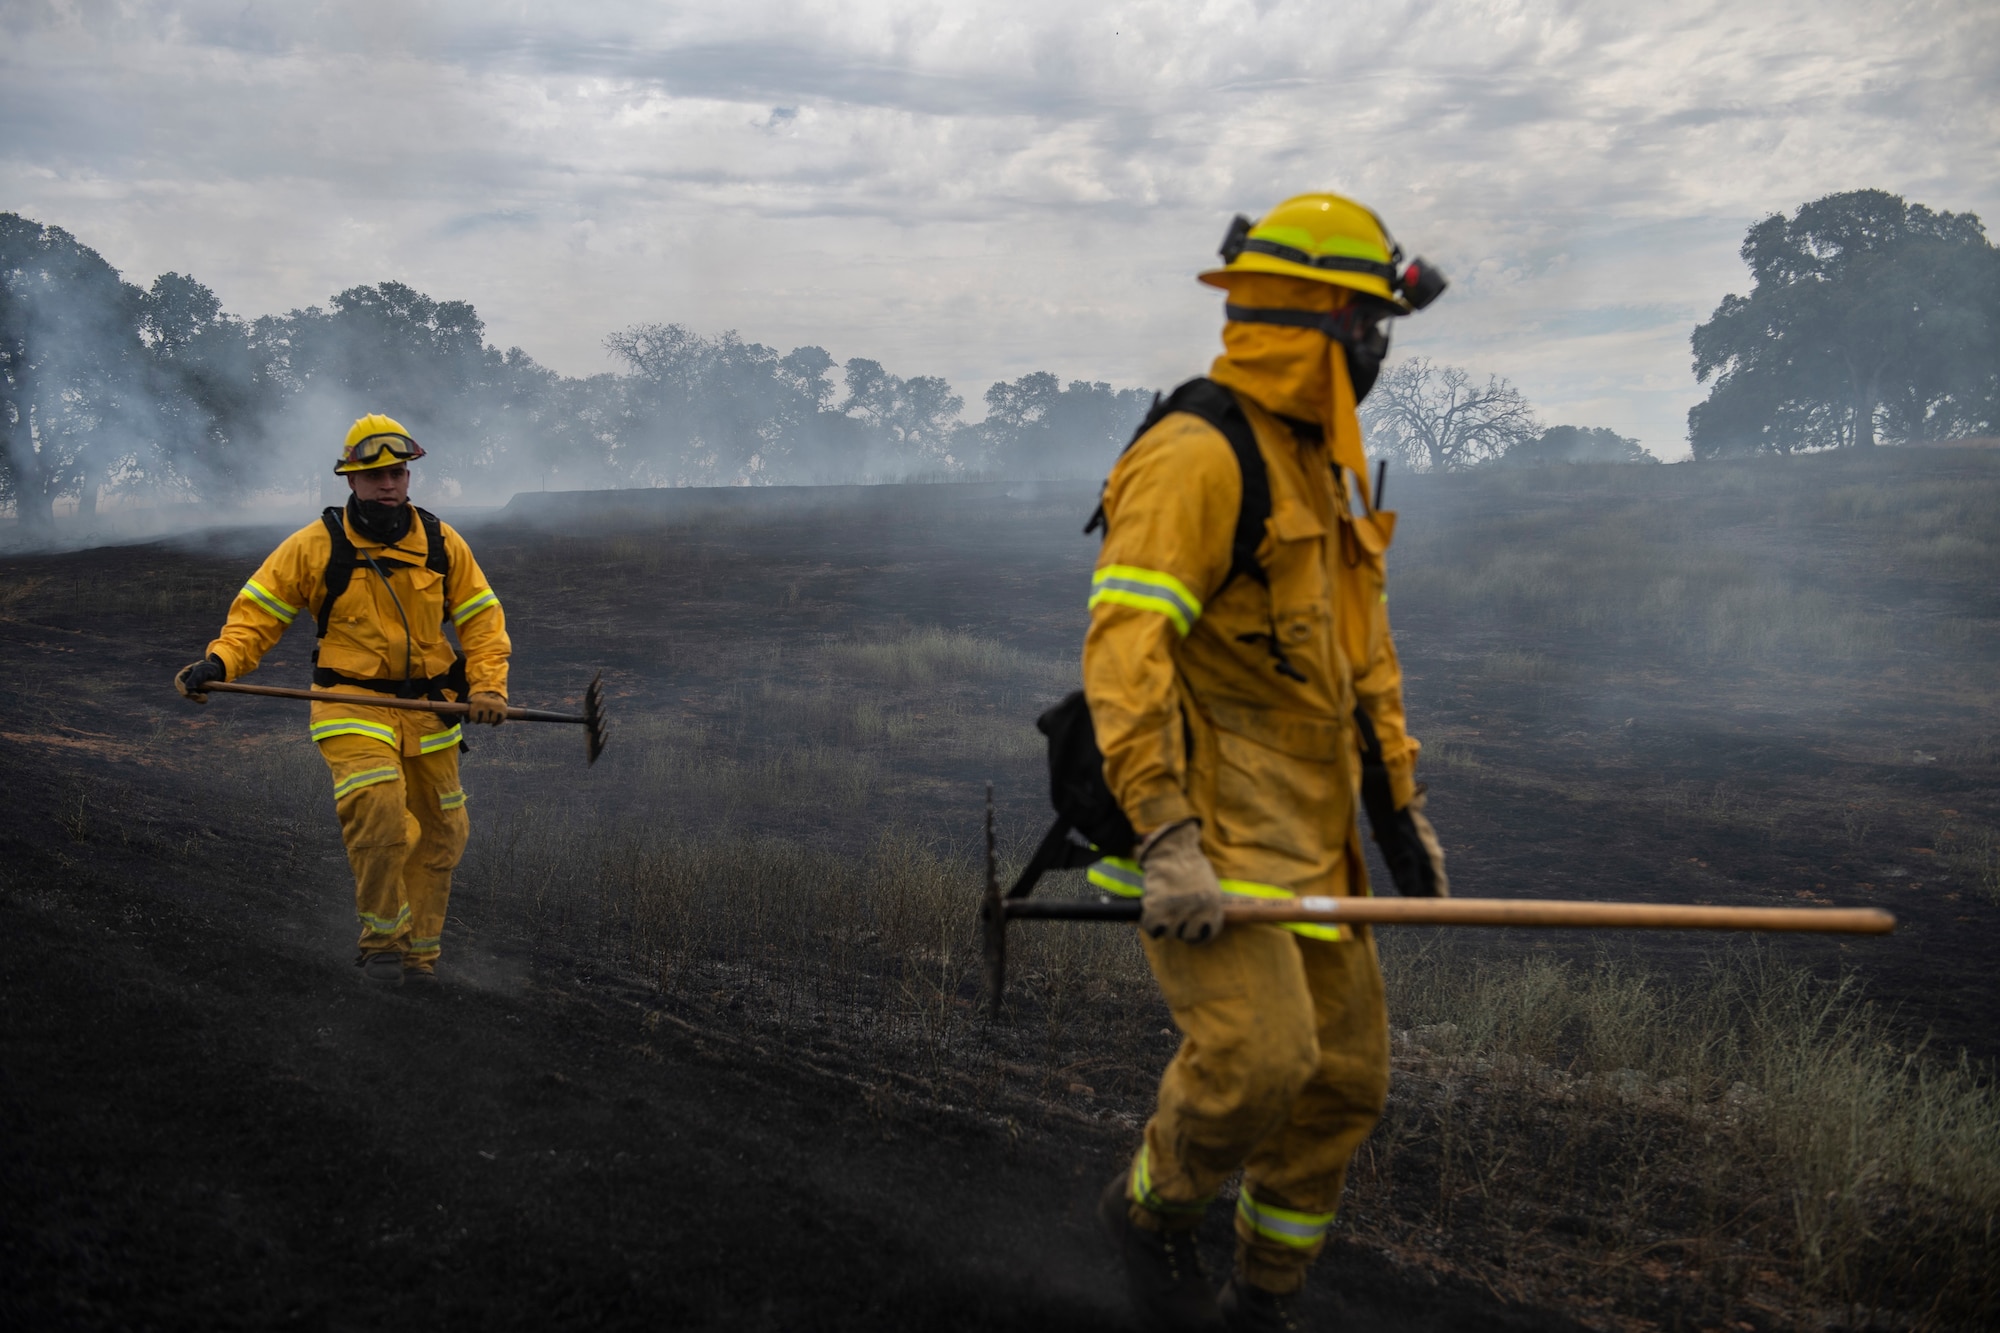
(403,820)
(1283,1071)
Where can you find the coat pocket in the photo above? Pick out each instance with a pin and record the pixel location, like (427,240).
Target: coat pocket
(1276,804)
(1196,974)
(1361,575)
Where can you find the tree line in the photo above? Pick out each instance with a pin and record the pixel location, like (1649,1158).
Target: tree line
(109,388)
(1870,319)
(114,389)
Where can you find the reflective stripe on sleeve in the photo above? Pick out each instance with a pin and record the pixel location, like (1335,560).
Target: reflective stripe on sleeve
(330,727)
(383,925)
(367,777)
(269,600)
(452,800)
(441,740)
(1284,1225)
(1119,875)
(1142,1193)
(1247,888)
(480,601)
(1146,590)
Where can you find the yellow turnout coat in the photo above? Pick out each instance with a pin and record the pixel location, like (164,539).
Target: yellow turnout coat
(366,638)
(1190,710)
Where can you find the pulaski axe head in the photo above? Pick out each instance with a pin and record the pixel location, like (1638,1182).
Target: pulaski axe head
(993,921)
(596,726)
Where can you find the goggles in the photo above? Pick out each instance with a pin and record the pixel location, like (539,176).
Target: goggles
(368,452)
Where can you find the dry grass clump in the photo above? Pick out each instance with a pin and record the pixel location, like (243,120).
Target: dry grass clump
(676,762)
(1451,755)
(1638,577)
(929,654)
(881,944)
(940,726)
(1972,856)
(19,591)
(149,590)
(1942,527)
(1754,563)
(1523,668)
(1752,1139)
(1721,805)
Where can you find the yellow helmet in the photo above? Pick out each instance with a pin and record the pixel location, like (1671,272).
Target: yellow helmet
(376,441)
(1327,238)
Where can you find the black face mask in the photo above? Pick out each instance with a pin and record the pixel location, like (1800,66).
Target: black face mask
(1362,329)
(385,523)
(1364,360)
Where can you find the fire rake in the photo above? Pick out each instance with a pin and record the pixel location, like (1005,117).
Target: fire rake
(997,910)
(597,726)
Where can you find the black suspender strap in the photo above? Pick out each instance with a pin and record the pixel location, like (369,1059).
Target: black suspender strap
(1204,398)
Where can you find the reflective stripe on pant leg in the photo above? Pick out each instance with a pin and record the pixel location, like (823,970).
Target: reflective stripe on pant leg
(368,777)
(386,925)
(1241,1003)
(436,806)
(1140,1191)
(1287,1226)
(1302,1167)
(369,797)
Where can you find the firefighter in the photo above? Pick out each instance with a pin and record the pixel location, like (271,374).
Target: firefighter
(1236,701)
(382,580)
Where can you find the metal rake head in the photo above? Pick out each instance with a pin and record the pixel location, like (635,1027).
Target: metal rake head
(596,725)
(993,921)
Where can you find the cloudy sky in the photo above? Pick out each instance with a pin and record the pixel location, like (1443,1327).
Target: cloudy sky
(976,189)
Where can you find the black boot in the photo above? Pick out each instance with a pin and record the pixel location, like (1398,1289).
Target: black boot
(1247,1308)
(1162,1271)
(381,967)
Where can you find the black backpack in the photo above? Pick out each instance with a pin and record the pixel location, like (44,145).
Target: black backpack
(1089,823)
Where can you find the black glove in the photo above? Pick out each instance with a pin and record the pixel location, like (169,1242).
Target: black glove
(1412,853)
(195,678)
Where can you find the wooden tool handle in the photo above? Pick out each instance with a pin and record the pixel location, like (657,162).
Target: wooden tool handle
(1540,912)
(388,701)
(1546,913)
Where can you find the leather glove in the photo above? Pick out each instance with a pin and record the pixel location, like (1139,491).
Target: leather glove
(488,709)
(1182,897)
(194,679)
(1416,863)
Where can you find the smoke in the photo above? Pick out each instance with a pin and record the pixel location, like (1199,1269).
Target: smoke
(143,410)
(147,409)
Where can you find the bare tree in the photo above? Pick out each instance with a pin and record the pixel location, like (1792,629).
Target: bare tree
(1435,418)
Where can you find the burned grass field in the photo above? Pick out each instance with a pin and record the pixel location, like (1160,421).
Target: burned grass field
(713,1051)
